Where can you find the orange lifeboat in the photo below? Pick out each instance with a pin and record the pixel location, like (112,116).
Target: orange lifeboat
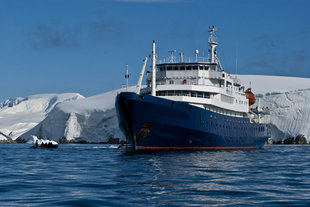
(249,95)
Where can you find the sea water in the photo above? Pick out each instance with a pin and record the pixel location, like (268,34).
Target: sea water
(103,175)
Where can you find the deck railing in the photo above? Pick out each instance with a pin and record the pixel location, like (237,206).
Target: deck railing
(175,59)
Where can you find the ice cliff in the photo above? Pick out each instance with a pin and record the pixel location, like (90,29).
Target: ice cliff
(91,120)
(288,99)
(18,115)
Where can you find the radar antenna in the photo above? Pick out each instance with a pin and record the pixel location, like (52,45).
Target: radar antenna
(212,40)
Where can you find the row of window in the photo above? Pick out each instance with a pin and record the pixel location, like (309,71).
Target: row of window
(197,94)
(189,67)
(259,129)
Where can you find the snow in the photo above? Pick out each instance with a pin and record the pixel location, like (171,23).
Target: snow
(98,103)
(261,84)
(287,98)
(94,119)
(289,113)
(19,115)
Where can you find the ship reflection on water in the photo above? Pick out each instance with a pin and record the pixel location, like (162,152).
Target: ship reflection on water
(219,178)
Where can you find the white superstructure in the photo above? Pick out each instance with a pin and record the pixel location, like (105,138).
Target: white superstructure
(199,81)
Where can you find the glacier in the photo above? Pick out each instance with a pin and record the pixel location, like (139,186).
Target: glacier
(288,100)
(93,119)
(18,115)
(90,120)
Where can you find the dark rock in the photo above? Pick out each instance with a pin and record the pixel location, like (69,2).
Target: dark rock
(270,141)
(277,142)
(113,141)
(9,139)
(20,140)
(289,140)
(64,140)
(300,139)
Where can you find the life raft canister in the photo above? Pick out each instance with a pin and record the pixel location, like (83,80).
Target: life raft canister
(250,96)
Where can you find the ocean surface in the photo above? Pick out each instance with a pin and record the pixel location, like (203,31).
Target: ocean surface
(103,175)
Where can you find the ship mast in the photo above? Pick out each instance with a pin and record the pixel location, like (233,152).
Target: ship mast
(212,42)
(153,70)
(126,76)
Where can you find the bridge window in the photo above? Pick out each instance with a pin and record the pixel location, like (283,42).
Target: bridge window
(175,68)
(193,94)
(182,68)
(201,67)
(188,67)
(206,95)
(169,68)
(195,67)
(198,94)
(170,93)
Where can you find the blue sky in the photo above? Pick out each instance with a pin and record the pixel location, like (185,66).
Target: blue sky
(57,46)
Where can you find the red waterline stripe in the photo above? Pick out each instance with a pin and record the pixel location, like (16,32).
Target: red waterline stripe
(191,148)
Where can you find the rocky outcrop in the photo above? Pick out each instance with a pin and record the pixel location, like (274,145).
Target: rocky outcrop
(299,139)
(8,139)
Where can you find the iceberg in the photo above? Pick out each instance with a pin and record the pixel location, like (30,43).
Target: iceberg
(18,115)
(89,120)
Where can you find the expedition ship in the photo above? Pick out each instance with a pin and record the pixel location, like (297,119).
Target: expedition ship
(191,104)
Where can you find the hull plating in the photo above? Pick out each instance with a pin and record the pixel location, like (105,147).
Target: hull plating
(154,123)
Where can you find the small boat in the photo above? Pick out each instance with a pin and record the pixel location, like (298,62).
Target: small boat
(43,143)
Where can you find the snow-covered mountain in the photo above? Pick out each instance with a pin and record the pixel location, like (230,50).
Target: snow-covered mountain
(19,115)
(94,119)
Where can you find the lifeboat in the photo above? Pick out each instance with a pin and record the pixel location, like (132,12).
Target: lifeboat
(250,96)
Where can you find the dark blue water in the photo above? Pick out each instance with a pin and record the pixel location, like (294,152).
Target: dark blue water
(95,175)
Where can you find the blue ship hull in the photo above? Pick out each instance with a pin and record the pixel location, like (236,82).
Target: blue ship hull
(154,123)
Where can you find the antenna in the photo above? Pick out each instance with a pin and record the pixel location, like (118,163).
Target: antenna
(236,58)
(212,40)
